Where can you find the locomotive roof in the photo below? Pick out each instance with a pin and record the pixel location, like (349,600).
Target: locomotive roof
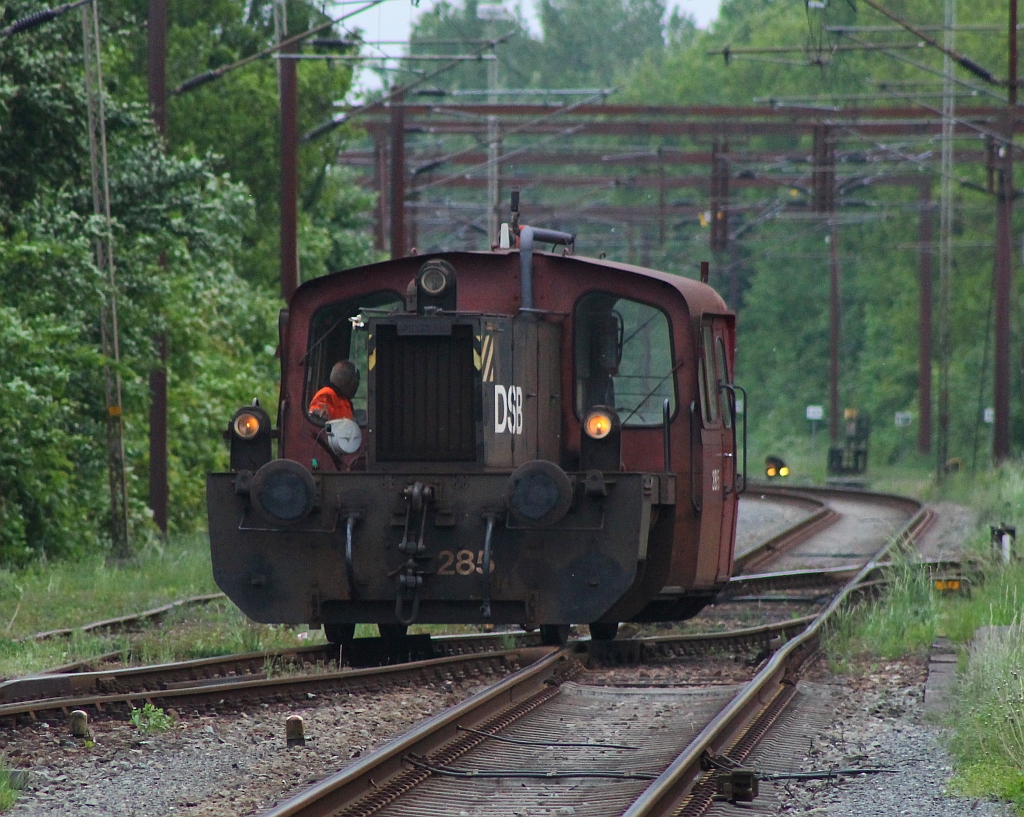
(700,297)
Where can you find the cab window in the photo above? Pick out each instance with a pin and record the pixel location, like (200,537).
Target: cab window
(707,375)
(722,369)
(333,337)
(623,358)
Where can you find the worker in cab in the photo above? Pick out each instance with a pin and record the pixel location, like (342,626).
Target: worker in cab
(334,401)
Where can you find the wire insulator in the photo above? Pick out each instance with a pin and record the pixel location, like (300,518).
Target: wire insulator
(33,20)
(196,81)
(322,128)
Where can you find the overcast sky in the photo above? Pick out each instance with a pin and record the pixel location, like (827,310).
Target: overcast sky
(392,20)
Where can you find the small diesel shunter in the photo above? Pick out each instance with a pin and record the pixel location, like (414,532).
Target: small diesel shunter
(538,439)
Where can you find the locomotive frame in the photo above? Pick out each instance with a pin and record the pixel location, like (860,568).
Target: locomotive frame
(546,440)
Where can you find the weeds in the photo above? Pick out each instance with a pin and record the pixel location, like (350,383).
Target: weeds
(150,719)
(8,788)
(903,621)
(988,718)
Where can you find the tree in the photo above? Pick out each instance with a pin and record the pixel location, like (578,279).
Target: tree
(590,43)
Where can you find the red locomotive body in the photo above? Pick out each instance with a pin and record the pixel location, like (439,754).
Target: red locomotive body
(540,439)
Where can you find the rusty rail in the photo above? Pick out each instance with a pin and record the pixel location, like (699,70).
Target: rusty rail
(819,519)
(683,788)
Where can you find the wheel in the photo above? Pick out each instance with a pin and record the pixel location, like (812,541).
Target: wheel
(604,630)
(392,630)
(554,635)
(340,633)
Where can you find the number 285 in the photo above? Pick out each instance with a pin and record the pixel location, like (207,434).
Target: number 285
(462,562)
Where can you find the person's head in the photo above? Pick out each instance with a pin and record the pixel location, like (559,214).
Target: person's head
(345,378)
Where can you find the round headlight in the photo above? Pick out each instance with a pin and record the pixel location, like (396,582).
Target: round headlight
(538,494)
(247,425)
(433,280)
(284,491)
(598,424)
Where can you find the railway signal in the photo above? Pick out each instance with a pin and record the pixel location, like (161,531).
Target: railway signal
(775,467)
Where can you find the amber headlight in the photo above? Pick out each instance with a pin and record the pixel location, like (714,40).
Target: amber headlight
(247,425)
(598,424)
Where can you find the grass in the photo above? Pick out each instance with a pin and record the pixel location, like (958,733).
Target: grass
(64,594)
(8,793)
(986,735)
(904,621)
(70,594)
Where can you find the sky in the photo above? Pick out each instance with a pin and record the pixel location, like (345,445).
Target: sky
(392,20)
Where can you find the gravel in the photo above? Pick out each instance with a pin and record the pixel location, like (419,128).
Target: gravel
(211,766)
(237,764)
(880,723)
(760,518)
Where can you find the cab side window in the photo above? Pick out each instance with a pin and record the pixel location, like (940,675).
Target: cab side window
(333,337)
(706,378)
(623,358)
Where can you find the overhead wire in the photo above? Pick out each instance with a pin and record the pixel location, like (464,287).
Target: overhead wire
(216,73)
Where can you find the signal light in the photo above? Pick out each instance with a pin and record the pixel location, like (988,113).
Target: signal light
(598,424)
(601,440)
(247,425)
(249,434)
(775,467)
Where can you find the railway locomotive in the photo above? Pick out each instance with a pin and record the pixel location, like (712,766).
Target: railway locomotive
(539,439)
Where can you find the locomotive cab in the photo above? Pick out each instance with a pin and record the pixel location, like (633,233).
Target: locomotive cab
(505,464)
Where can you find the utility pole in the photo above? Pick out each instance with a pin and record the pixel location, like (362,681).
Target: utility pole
(720,207)
(924,327)
(834,316)
(493,13)
(946,236)
(288,90)
(380,175)
(397,177)
(1003,279)
(159,491)
(121,546)
(824,187)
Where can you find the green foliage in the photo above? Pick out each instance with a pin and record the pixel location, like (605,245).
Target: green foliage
(988,718)
(584,43)
(195,251)
(781,257)
(150,719)
(453,22)
(8,791)
(73,592)
(902,622)
(595,43)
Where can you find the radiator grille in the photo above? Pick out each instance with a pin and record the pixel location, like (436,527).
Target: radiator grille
(425,396)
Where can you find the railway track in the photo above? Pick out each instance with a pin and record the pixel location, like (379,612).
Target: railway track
(476,754)
(628,674)
(237,680)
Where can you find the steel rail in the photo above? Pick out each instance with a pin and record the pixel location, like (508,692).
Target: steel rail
(251,666)
(121,623)
(221,693)
(684,777)
(78,680)
(383,775)
(821,518)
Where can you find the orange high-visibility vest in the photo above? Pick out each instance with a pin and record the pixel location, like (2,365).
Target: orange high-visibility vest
(336,406)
